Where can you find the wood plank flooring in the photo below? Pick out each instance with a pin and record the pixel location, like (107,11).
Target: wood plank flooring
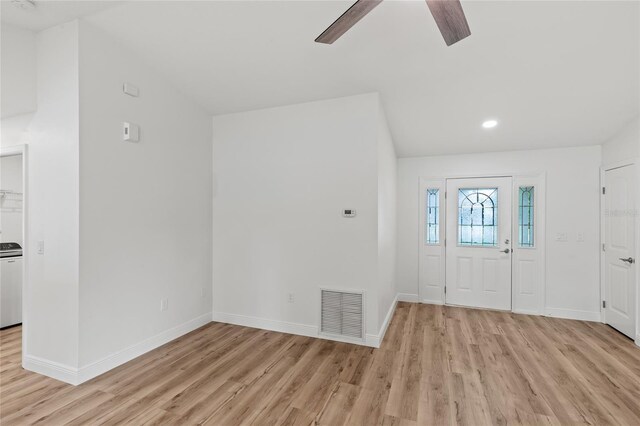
(437,365)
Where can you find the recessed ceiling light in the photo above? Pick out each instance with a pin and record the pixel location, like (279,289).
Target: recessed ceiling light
(489,124)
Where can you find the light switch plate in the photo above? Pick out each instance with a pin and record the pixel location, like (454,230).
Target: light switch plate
(130,132)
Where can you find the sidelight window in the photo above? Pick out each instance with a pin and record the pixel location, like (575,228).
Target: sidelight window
(432,230)
(525,216)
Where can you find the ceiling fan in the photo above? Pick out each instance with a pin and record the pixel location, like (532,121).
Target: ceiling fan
(448,15)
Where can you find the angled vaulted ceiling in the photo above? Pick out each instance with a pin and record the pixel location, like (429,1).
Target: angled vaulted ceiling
(48,13)
(553,73)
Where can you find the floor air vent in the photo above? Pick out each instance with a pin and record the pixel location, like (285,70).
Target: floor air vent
(342,313)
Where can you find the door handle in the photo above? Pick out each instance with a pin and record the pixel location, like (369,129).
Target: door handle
(505,251)
(628,260)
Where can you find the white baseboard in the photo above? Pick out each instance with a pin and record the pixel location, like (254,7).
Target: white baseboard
(432,302)
(267,324)
(284,327)
(372,340)
(55,370)
(525,312)
(118,358)
(638,340)
(408,297)
(388,318)
(574,314)
(376,340)
(76,376)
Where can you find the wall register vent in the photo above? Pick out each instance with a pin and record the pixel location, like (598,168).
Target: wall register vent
(342,313)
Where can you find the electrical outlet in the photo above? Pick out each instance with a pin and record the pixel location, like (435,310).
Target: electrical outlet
(164,304)
(291,298)
(580,237)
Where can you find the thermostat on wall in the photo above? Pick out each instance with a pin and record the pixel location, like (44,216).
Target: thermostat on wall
(348,213)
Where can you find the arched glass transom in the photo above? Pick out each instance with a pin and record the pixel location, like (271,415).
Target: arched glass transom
(478,217)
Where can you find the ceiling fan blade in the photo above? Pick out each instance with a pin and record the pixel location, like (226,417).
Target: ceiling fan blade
(450,19)
(347,20)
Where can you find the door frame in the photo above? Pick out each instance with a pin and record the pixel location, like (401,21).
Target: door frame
(7,151)
(535,178)
(603,169)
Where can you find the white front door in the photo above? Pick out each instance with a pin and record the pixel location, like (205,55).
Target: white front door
(619,248)
(478,242)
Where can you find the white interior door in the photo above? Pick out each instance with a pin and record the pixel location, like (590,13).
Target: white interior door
(478,242)
(619,249)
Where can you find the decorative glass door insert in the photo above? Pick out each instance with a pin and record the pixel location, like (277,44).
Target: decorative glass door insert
(478,217)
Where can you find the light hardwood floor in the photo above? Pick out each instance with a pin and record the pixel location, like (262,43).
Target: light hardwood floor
(437,365)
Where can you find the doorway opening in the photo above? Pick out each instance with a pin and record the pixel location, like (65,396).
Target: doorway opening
(13,244)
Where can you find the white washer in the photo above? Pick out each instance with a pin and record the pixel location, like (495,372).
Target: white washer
(10,291)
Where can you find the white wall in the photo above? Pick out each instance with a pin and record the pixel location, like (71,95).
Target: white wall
(15,130)
(145,208)
(18,84)
(283,175)
(572,200)
(623,147)
(11,205)
(124,225)
(18,63)
(52,280)
(387,183)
